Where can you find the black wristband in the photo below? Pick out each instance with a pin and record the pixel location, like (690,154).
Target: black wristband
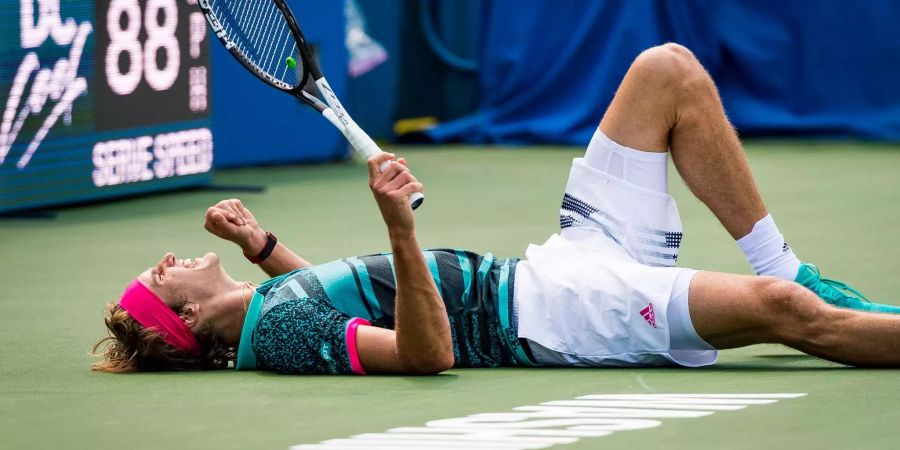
(271,240)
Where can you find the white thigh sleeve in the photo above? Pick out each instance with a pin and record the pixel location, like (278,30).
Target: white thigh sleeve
(648,170)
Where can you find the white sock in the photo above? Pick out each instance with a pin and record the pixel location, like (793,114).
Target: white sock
(767,251)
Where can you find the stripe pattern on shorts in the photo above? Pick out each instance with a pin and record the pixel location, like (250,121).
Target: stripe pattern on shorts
(647,245)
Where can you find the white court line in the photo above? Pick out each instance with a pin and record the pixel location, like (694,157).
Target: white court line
(551,423)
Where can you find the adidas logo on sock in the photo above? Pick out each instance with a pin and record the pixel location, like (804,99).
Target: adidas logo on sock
(785,248)
(649,315)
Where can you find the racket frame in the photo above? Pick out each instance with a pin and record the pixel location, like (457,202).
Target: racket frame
(332,109)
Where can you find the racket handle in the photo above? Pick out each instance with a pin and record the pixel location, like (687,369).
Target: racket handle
(416,199)
(360,140)
(364,144)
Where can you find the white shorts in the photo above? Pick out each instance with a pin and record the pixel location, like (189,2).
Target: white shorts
(605,292)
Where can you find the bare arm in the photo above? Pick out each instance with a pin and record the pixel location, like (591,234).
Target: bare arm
(230,220)
(421,342)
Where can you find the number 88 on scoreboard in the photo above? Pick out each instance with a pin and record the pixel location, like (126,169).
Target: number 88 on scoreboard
(101,99)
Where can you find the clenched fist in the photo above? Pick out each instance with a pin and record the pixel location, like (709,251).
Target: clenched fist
(230,220)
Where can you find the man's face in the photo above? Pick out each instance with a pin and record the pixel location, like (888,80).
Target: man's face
(176,280)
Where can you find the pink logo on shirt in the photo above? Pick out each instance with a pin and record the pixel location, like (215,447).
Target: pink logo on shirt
(649,315)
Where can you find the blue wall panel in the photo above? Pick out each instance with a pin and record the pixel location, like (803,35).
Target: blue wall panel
(826,68)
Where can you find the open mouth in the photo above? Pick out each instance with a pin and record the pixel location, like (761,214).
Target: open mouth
(196,263)
(188,263)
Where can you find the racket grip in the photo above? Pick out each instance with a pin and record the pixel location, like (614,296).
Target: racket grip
(368,148)
(361,141)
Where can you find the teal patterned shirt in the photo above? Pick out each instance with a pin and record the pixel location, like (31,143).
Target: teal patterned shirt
(298,322)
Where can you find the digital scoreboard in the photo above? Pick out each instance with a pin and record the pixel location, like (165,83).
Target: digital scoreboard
(101,99)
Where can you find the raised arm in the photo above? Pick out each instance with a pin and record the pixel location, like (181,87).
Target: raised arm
(421,341)
(230,220)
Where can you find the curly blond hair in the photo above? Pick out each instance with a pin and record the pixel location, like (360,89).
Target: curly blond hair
(130,347)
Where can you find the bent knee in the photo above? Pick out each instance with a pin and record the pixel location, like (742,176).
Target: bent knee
(790,309)
(670,65)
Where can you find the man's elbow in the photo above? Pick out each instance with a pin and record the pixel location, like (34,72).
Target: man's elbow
(432,364)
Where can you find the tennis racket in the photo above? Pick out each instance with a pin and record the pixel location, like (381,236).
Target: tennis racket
(265,37)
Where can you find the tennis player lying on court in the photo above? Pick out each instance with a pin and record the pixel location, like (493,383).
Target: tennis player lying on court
(603,292)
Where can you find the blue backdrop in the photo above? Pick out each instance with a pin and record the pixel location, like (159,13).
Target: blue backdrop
(801,67)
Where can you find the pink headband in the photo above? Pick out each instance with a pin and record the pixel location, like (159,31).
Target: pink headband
(150,311)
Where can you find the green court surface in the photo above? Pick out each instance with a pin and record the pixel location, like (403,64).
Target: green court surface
(837,204)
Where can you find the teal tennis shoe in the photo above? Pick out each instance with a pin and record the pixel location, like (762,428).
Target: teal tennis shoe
(837,293)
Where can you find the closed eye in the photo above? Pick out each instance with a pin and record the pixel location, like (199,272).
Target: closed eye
(156,275)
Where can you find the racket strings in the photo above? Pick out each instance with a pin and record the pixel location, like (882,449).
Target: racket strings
(262,36)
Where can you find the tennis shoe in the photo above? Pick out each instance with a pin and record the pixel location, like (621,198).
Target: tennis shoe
(837,293)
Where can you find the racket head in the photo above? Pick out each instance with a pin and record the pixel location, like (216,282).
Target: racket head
(265,37)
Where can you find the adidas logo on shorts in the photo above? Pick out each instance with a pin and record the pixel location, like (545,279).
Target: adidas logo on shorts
(649,315)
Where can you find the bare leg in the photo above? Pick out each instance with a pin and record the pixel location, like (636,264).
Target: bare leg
(735,310)
(667,101)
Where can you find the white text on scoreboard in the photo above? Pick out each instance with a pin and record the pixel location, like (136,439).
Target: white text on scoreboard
(145,158)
